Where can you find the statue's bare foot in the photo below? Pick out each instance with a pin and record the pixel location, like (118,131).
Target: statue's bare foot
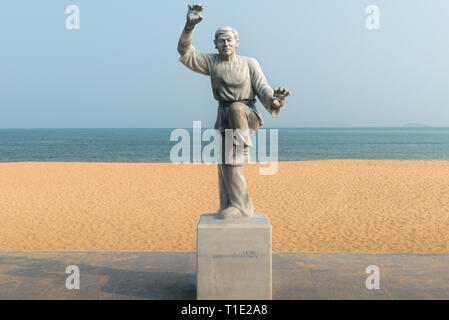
(230,213)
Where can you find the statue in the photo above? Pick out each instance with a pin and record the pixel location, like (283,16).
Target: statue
(236,81)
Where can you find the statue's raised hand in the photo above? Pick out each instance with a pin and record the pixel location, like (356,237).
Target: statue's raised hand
(194,15)
(279,97)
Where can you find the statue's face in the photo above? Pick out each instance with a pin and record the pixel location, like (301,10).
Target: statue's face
(226,44)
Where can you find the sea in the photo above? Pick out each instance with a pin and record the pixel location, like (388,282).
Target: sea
(154,145)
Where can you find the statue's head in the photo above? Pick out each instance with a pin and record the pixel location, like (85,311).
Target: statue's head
(226,41)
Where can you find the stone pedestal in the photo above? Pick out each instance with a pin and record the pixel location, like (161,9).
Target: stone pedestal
(234,258)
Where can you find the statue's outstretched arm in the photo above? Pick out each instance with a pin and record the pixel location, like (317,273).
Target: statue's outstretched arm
(194,16)
(271,99)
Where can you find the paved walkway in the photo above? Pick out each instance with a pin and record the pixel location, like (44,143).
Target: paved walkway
(171,275)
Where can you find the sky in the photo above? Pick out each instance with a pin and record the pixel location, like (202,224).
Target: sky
(121,68)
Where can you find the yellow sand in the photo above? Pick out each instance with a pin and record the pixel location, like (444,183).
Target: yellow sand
(337,205)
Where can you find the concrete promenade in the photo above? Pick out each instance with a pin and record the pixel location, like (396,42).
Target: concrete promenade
(171,275)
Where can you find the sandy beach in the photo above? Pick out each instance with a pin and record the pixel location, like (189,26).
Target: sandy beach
(314,206)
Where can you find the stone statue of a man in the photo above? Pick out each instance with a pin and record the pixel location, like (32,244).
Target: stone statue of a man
(236,81)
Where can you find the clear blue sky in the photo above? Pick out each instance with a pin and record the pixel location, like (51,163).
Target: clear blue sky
(121,68)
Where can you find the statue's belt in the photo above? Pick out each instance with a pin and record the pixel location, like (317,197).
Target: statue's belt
(248,102)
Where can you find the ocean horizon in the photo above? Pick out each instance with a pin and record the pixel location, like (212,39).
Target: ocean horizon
(154,144)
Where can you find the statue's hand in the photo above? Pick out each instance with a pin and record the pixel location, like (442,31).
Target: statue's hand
(279,97)
(194,15)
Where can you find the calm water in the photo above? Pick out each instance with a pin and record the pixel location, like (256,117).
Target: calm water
(154,145)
